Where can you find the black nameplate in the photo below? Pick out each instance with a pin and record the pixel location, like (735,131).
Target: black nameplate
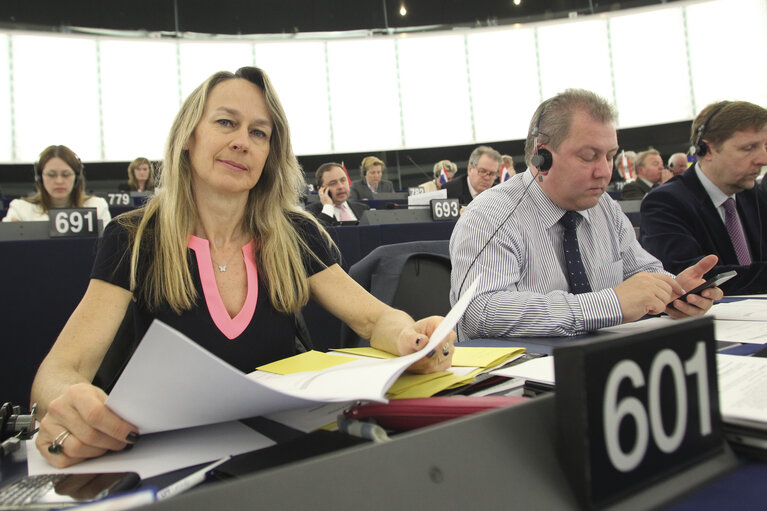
(119,199)
(445,209)
(78,222)
(635,409)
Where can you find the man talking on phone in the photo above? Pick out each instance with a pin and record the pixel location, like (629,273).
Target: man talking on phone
(556,254)
(714,207)
(333,190)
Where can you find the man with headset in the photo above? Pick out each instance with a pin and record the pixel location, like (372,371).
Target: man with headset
(714,206)
(554,253)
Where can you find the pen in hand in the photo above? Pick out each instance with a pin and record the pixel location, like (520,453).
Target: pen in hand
(190,481)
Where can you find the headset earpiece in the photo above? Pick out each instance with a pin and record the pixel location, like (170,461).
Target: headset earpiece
(699,146)
(542,159)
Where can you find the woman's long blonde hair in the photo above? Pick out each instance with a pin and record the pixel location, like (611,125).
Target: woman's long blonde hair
(164,225)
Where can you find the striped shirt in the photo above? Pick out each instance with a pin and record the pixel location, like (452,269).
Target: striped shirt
(524,289)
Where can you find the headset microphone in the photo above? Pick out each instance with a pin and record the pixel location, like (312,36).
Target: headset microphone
(699,147)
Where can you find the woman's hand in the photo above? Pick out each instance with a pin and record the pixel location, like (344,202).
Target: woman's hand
(416,337)
(82,426)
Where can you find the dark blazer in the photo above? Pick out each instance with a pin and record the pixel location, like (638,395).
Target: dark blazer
(359,189)
(636,189)
(458,188)
(680,225)
(315,208)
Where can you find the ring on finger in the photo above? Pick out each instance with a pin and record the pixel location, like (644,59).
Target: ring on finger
(58,444)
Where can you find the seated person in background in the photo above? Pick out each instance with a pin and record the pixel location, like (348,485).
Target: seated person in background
(556,255)
(481,173)
(333,190)
(444,170)
(372,181)
(711,208)
(140,176)
(222,253)
(677,164)
(649,165)
(624,168)
(60,183)
(507,168)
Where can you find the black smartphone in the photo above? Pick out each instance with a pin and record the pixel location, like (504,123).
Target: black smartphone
(720,278)
(330,194)
(54,491)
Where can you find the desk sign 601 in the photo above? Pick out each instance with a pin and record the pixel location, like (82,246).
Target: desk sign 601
(632,409)
(73,222)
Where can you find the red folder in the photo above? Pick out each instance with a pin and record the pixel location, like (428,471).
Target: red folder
(405,414)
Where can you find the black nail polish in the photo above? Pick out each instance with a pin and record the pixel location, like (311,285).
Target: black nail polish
(418,341)
(132,437)
(432,353)
(128,447)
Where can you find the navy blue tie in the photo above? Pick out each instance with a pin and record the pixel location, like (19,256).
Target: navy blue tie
(576,273)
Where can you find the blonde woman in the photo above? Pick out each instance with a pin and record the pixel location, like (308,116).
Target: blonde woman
(435,184)
(222,253)
(60,183)
(140,176)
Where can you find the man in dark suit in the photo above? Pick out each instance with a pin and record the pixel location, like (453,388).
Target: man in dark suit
(714,206)
(372,181)
(333,190)
(649,167)
(481,172)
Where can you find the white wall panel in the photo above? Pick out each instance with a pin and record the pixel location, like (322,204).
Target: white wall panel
(364,96)
(140,96)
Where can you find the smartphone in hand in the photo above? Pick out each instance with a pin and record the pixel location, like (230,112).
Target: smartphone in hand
(720,278)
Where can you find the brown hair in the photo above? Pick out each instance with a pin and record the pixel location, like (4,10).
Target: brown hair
(733,116)
(77,197)
(132,181)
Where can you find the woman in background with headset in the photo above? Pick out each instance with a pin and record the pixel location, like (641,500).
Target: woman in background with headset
(371,170)
(140,176)
(60,184)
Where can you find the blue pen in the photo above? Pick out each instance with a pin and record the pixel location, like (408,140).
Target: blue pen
(189,481)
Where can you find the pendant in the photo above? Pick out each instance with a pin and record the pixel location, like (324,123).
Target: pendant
(221,267)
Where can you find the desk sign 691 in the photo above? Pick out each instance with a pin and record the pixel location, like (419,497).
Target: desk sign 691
(635,408)
(77,222)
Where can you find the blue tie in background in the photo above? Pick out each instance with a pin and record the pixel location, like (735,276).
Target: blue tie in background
(576,273)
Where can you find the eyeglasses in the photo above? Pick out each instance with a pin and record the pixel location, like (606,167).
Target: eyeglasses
(486,173)
(66,174)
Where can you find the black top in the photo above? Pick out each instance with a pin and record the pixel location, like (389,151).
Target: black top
(269,334)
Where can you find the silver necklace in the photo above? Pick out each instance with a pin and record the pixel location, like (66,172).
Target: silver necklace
(222,267)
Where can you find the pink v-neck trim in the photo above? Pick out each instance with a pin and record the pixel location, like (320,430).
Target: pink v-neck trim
(231,327)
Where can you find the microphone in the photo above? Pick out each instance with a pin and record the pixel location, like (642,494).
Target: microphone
(430,176)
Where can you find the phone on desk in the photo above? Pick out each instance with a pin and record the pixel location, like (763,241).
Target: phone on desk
(55,491)
(720,278)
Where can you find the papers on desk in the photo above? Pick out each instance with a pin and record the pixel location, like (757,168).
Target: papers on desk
(163,452)
(743,401)
(743,390)
(171,382)
(539,370)
(742,321)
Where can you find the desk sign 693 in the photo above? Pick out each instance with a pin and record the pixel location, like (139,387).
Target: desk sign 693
(76,222)
(635,408)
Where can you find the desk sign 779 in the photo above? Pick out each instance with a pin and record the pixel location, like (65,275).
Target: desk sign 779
(635,408)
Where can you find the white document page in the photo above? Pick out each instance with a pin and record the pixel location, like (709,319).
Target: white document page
(424,199)
(752,332)
(742,389)
(538,369)
(163,452)
(171,382)
(742,310)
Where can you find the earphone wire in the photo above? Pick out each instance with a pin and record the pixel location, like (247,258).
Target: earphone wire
(500,224)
